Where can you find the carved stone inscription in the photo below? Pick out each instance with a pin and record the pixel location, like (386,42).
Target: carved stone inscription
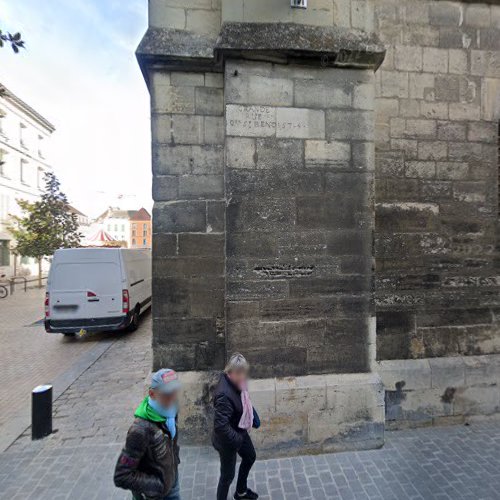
(253,121)
(267,121)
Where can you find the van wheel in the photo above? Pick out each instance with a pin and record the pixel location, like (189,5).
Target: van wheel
(134,324)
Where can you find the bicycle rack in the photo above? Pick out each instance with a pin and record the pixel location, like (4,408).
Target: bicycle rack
(13,283)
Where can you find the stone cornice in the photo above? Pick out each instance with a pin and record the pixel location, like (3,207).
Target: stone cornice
(288,42)
(280,42)
(175,49)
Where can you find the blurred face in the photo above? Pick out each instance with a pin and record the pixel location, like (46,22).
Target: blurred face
(239,378)
(164,400)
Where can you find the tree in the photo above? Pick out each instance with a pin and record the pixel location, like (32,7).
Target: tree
(15,40)
(46,224)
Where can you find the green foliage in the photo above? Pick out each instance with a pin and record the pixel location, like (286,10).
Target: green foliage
(15,40)
(46,224)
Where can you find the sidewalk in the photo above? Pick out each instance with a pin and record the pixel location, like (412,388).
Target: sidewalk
(93,415)
(29,356)
(437,463)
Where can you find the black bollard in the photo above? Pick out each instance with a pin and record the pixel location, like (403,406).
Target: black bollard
(41,411)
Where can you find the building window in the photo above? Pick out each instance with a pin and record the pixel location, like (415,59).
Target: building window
(23,171)
(144,242)
(4,253)
(41,145)
(2,122)
(133,241)
(109,227)
(3,165)
(123,228)
(39,178)
(4,206)
(22,135)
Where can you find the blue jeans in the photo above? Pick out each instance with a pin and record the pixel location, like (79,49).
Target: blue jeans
(175,492)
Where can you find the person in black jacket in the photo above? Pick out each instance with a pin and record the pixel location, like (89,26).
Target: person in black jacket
(147,465)
(234,416)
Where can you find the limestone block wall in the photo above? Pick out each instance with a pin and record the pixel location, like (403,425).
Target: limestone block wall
(188,219)
(346,13)
(299,217)
(440,390)
(205,16)
(437,127)
(199,16)
(311,414)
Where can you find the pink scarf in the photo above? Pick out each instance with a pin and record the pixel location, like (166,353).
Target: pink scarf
(246,421)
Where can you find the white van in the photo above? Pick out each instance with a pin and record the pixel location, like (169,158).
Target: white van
(97,289)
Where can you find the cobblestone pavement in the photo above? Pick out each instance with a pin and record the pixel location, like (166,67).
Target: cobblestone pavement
(92,417)
(29,356)
(437,463)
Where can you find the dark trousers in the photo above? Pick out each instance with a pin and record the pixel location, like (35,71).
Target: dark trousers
(228,468)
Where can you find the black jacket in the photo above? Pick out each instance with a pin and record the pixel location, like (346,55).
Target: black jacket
(228,412)
(148,464)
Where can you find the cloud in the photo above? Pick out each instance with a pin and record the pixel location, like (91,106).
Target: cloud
(79,71)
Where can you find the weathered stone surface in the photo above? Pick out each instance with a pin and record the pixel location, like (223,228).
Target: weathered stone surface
(342,47)
(357,125)
(300,123)
(273,208)
(324,154)
(179,217)
(275,160)
(240,152)
(445,14)
(209,101)
(319,95)
(174,45)
(408,374)
(250,121)
(295,409)
(187,159)
(459,387)
(258,89)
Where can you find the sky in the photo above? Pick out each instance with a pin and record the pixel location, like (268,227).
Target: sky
(80,72)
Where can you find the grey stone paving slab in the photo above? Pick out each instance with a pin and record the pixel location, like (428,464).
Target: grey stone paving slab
(436,463)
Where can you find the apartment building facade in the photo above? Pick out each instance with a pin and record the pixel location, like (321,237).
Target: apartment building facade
(24,150)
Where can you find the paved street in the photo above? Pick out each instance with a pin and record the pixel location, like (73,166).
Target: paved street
(93,414)
(29,357)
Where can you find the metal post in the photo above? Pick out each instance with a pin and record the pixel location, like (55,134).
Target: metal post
(41,411)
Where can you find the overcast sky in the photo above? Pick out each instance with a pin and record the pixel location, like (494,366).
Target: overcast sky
(79,71)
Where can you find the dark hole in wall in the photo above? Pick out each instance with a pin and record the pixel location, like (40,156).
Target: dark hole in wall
(284,271)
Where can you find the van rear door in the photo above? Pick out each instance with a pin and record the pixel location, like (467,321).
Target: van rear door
(89,289)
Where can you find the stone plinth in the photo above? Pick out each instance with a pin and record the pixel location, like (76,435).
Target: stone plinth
(311,414)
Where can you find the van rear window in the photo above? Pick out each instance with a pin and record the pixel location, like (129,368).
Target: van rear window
(101,277)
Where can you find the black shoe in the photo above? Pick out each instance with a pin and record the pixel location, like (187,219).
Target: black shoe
(251,495)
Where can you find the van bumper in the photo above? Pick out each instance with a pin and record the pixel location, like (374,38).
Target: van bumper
(87,324)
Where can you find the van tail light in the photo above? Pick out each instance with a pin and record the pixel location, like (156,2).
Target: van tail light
(125,302)
(47,304)
(91,294)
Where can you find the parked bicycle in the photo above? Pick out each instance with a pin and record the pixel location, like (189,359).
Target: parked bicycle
(4,291)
